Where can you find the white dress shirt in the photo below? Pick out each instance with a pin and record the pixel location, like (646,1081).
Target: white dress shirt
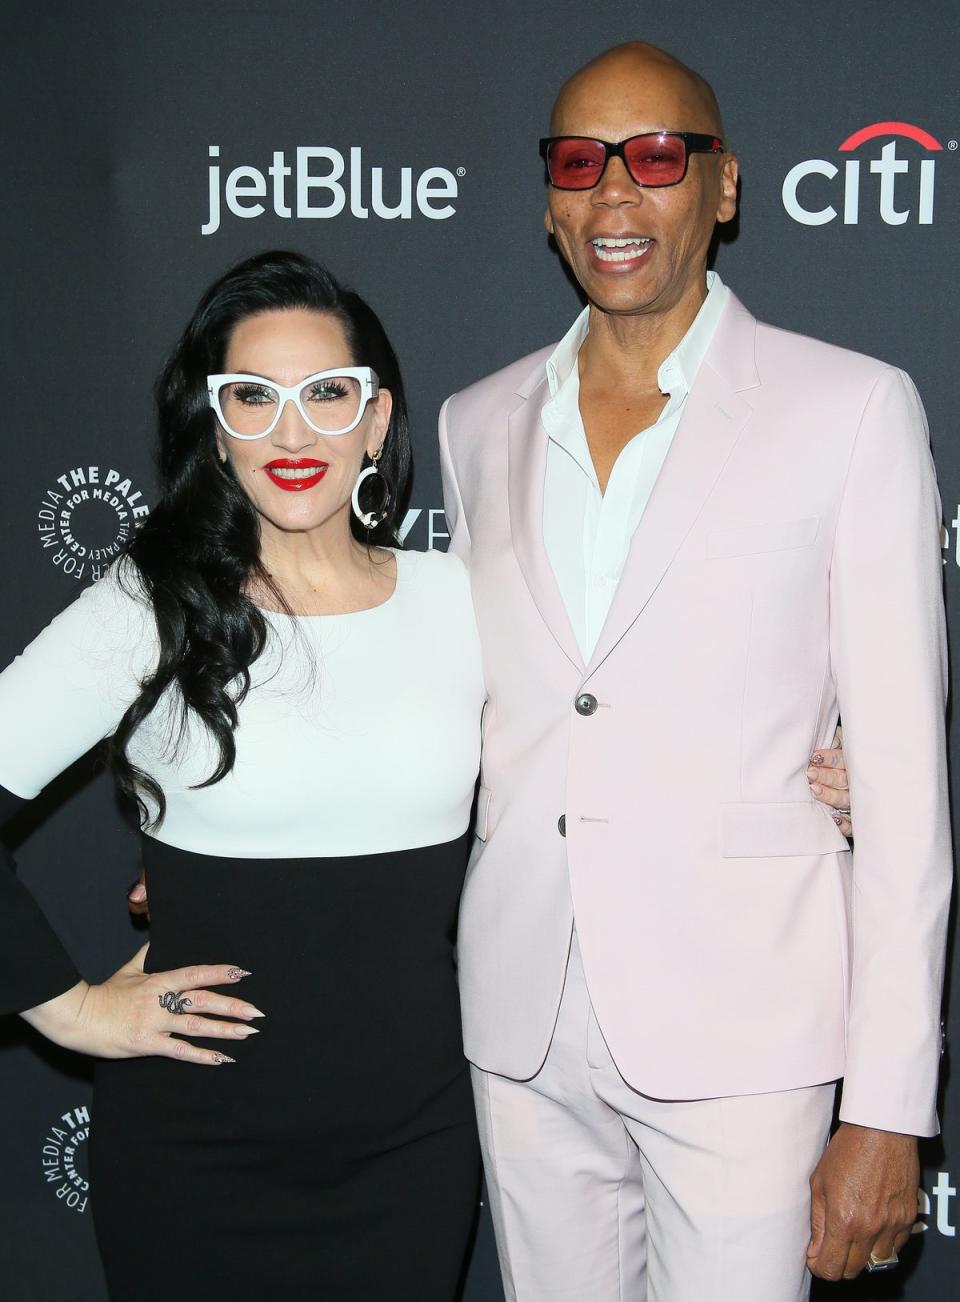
(587,533)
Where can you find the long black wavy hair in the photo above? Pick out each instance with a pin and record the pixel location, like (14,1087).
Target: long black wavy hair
(196,555)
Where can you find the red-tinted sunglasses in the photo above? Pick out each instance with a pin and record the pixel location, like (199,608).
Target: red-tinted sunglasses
(655,159)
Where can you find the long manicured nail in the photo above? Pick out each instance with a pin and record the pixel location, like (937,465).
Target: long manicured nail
(237,973)
(250,1011)
(244,1031)
(221,1058)
(812,772)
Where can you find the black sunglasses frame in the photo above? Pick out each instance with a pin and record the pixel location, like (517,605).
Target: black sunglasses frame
(694,143)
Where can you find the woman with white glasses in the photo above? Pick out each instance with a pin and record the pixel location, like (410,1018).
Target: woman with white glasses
(294,704)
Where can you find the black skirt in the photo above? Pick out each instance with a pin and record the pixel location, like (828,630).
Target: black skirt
(337,1158)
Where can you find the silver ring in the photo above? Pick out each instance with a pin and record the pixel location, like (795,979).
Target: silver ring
(846,812)
(875,1263)
(174,1001)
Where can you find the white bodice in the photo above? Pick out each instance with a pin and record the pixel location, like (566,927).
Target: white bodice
(360,733)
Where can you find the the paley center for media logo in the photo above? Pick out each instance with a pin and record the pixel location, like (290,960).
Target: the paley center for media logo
(318,181)
(63,1158)
(896,183)
(87,517)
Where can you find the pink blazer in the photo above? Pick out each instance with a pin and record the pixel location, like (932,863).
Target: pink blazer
(787,568)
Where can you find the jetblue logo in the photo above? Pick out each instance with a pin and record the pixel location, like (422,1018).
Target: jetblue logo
(814,193)
(936,1206)
(318,181)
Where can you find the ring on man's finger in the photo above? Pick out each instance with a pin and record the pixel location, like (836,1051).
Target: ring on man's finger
(174,1001)
(882,1263)
(845,812)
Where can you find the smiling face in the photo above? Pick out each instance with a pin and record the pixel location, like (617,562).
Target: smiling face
(662,234)
(299,481)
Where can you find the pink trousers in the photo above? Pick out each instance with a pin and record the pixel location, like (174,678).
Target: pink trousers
(600,1194)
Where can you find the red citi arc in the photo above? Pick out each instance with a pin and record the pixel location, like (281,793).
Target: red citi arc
(295,474)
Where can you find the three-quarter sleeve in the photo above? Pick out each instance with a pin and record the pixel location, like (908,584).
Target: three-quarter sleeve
(64,693)
(34,966)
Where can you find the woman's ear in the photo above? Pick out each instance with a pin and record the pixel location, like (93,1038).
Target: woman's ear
(382,410)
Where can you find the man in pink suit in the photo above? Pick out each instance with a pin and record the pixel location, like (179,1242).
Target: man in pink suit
(694,541)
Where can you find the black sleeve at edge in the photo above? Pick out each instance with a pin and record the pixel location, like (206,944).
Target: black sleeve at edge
(34,966)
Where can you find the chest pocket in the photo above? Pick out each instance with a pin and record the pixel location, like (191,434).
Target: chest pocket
(753,539)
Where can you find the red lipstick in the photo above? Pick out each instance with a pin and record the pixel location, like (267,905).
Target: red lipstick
(299,482)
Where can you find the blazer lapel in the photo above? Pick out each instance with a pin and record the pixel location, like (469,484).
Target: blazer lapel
(527,444)
(713,419)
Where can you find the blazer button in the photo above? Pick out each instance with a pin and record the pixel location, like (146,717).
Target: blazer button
(586,704)
(562,825)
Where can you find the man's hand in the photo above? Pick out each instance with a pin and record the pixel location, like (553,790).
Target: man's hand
(828,782)
(864,1199)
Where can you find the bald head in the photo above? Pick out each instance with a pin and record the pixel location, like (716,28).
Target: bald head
(631,91)
(636,71)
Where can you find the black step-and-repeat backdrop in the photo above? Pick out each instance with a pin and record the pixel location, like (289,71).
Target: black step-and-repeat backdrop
(149,146)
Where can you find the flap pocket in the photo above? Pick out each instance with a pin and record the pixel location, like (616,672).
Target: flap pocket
(784,535)
(764,831)
(482,820)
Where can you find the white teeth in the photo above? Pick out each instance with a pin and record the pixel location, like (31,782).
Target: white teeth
(295,472)
(620,250)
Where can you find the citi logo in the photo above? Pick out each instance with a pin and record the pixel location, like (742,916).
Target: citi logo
(901,181)
(320,182)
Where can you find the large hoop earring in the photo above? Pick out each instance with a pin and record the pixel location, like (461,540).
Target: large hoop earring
(370,519)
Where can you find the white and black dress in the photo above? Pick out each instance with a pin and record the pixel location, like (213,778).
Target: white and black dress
(337,1158)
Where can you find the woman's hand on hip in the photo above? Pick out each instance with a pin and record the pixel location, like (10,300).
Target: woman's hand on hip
(137,1014)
